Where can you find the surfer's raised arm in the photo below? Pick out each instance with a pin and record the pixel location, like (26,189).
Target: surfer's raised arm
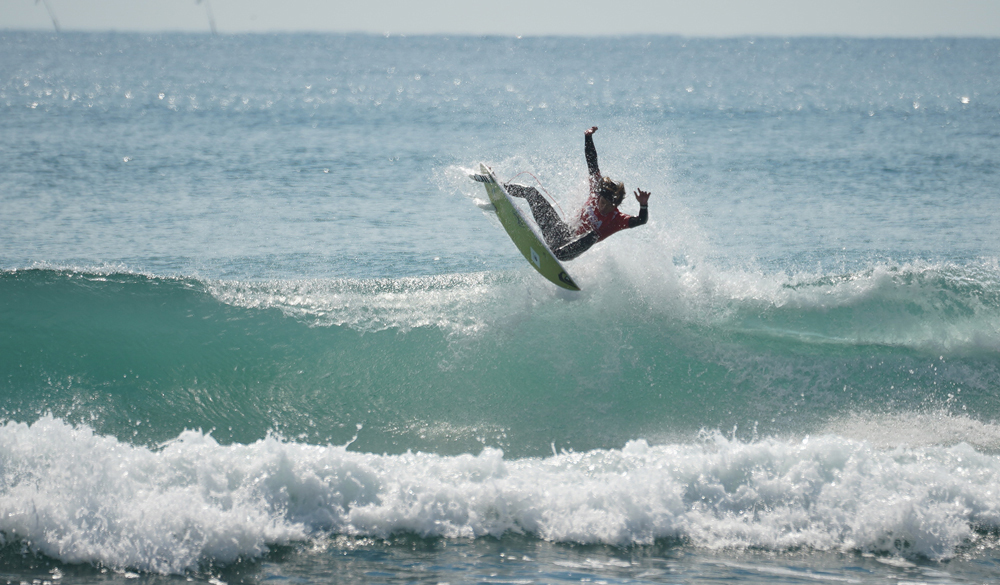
(591,153)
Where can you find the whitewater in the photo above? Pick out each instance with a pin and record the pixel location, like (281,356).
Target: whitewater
(255,323)
(165,509)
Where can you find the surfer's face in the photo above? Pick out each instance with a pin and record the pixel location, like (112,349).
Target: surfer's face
(604,204)
(610,195)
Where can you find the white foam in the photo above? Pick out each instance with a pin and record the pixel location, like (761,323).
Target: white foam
(917,429)
(80,497)
(939,307)
(450,302)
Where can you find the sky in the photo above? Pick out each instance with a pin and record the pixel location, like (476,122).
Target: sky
(695,18)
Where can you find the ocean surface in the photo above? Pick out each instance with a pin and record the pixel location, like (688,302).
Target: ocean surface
(257,326)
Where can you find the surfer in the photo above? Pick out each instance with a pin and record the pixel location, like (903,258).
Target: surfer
(599,217)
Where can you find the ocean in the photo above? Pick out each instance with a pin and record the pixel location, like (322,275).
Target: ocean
(256,324)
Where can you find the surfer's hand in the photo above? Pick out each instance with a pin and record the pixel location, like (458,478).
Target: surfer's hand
(590,131)
(641,196)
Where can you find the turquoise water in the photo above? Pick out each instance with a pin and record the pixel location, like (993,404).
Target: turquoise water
(254,323)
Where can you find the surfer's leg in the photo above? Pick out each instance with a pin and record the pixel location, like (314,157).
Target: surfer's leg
(516,190)
(573,248)
(554,229)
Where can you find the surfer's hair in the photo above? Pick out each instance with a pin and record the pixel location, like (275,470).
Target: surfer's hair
(613,191)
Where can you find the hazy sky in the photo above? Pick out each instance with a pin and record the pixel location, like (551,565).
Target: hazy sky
(878,18)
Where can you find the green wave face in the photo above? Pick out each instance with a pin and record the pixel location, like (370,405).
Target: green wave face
(453,363)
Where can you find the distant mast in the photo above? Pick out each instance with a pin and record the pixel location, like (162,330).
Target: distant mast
(208,11)
(52,15)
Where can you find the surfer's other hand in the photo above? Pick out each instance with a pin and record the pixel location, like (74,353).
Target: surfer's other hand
(590,131)
(641,196)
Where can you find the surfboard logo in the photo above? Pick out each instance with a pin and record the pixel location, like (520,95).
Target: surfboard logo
(483,178)
(535,258)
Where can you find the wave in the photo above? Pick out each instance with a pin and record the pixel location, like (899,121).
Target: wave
(936,307)
(932,307)
(80,497)
(452,363)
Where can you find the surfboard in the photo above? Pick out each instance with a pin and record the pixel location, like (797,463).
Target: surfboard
(522,232)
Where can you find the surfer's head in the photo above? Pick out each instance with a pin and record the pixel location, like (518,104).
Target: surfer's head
(611,190)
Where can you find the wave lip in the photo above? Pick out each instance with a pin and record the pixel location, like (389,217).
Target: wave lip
(935,307)
(450,302)
(80,497)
